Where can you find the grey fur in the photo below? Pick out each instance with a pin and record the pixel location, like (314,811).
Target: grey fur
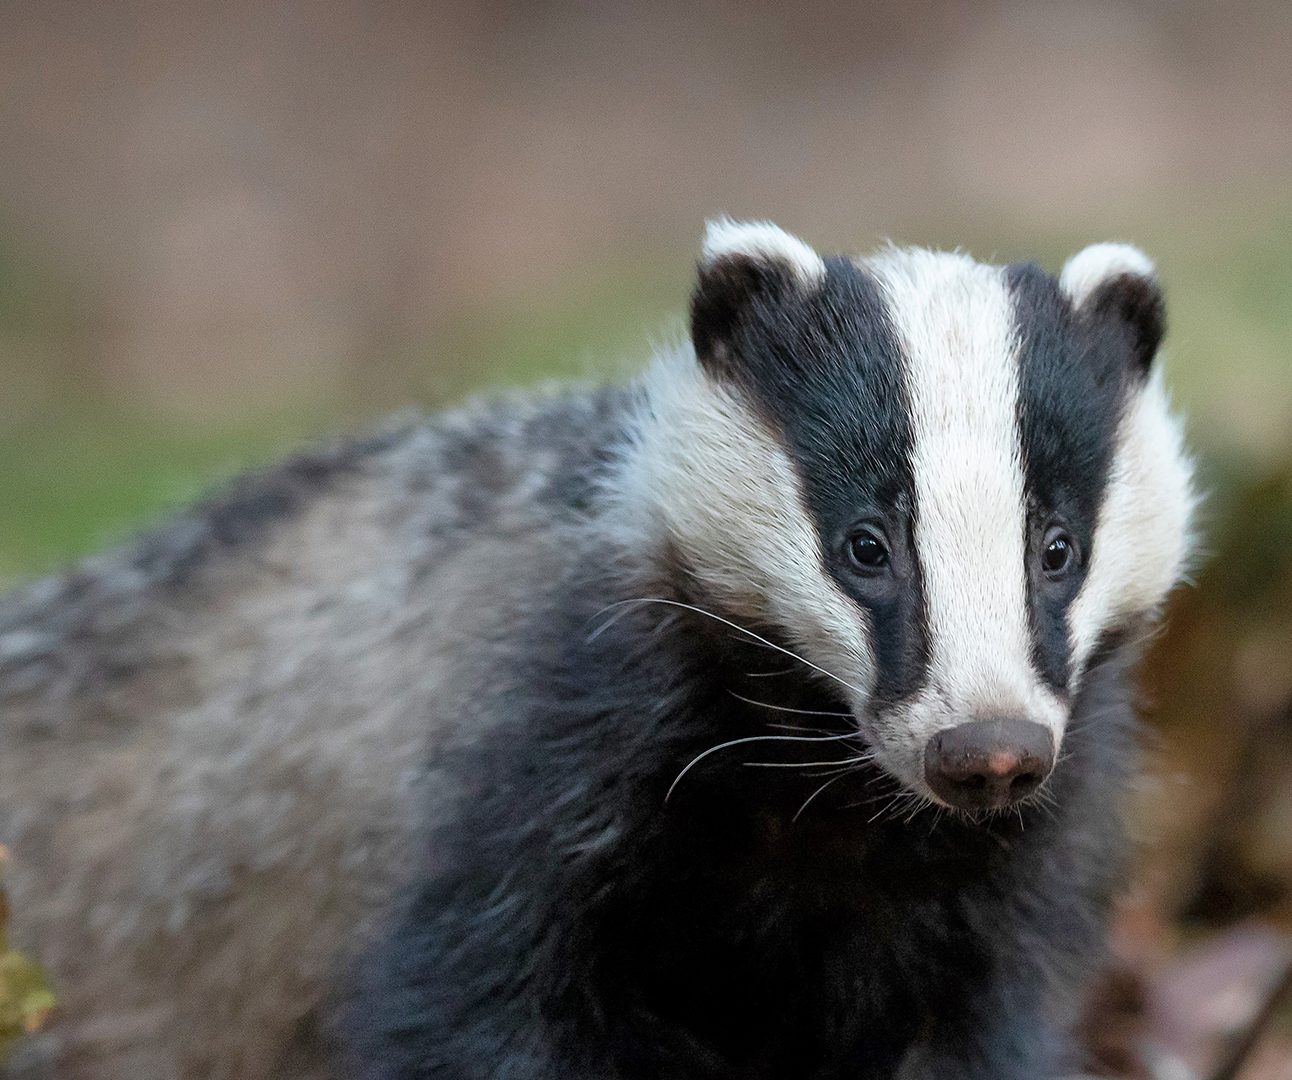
(206,783)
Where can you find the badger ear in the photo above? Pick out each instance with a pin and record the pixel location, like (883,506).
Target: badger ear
(1116,285)
(741,262)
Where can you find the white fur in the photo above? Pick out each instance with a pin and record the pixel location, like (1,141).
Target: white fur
(763,241)
(706,473)
(1143,534)
(955,321)
(1098,263)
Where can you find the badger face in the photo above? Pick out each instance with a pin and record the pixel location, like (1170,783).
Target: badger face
(945,484)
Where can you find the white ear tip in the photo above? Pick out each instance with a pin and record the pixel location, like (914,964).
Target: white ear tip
(1092,266)
(762,241)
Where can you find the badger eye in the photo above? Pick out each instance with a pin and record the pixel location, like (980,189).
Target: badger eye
(867,551)
(1059,555)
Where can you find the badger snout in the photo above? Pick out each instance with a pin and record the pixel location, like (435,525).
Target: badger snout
(988,764)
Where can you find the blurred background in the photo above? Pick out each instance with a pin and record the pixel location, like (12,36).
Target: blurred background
(228,227)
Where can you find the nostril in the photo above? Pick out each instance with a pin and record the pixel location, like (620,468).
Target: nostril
(1024,782)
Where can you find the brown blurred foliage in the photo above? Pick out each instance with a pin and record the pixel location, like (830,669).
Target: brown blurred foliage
(1203,942)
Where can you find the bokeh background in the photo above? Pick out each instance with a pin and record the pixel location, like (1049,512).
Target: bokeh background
(228,227)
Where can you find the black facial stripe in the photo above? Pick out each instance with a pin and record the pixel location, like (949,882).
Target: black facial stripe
(1073,383)
(825,367)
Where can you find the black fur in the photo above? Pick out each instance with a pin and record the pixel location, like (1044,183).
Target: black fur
(1075,373)
(824,368)
(574,926)
(1132,306)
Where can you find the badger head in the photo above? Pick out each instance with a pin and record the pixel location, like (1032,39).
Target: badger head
(944,484)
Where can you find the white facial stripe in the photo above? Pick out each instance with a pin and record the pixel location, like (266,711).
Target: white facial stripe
(1142,536)
(763,241)
(716,481)
(955,320)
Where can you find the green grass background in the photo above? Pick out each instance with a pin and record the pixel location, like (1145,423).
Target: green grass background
(83,467)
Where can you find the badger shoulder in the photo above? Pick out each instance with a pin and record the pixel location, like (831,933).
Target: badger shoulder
(342,514)
(212,740)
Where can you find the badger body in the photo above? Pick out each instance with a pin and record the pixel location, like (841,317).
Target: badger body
(766,717)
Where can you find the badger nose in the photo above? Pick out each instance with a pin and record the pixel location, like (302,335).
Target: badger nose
(988,764)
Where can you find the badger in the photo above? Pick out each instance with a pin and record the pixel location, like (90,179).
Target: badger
(767,716)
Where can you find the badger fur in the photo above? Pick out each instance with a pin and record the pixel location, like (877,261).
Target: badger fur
(620,732)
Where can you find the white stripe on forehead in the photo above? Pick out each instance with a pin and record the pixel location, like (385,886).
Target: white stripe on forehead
(954,318)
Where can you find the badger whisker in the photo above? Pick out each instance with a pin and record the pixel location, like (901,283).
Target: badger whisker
(748,739)
(879,778)
(758,638)
(830,772)
(913,804)
(882,797)
(742,630)
(1046,801)
(860,760)
(922,802)
(787,708)
(800,727)
(810,798)
(889,801)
